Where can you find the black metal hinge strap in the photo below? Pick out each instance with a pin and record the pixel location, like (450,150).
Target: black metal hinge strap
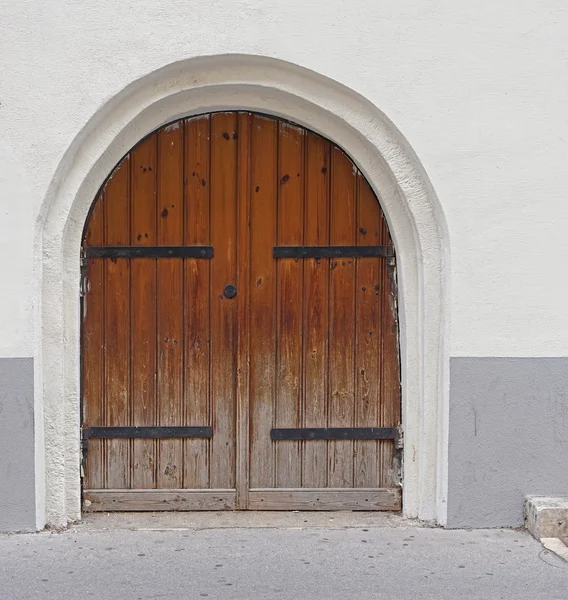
(336,433)
(147,432)
(148,252)
(332,251)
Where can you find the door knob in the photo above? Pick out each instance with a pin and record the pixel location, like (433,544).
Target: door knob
(230,291)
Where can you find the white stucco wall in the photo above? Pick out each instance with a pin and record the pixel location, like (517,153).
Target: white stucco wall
(478,88)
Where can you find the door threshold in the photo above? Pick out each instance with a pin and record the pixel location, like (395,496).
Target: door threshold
(184,521)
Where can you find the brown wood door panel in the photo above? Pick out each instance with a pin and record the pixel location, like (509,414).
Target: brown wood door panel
(341,319)
(92,354)
(316,311)
(242,475)
(117,326)
(305,343)
(289,302)
(169,303)
(144,281)
(197,357)
(263,194)
(223,209)
(368,337)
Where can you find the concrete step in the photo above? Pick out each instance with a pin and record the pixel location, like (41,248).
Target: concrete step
(547,516)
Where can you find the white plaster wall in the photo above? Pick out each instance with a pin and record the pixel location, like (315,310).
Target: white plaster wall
(479,89)
(17,212)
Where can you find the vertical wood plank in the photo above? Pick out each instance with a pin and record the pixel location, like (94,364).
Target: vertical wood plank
(196,300)
(170,144)
(316,302)
(243,319)
(223,310)
(289,301)
(92,358)
(143,310)
(262,299)
(367,334)
(389,364)
(342,318)
(117,325)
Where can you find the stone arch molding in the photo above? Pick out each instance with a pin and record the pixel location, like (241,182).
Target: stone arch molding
(284,90)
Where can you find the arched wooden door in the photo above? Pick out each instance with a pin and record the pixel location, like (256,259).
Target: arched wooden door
(239,326)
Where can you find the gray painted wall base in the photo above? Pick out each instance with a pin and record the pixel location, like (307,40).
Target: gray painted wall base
(508,437)
(17,461)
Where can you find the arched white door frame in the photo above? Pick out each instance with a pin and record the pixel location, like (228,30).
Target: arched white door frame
(284,90)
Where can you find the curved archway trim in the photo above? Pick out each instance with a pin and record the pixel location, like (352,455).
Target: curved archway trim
(415,218)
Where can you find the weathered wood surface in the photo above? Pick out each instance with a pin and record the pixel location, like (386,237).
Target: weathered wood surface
(156,500)
(325,499)
(305,343)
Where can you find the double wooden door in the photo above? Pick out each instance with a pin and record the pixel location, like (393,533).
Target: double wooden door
(239,329)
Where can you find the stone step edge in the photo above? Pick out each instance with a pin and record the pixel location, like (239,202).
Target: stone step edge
(547,516)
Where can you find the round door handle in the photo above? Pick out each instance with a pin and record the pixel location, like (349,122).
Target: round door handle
(230,291)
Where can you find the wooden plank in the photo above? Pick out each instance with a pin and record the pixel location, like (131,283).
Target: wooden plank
(196,300)
(143,310)
(289,301)
(316,302)
(342,318)
(223,310)
(262,299)
(326,499)
(158,500)
(170,144)
(243,318)
(367,335)
(92,355)
(390,406)
(117,325)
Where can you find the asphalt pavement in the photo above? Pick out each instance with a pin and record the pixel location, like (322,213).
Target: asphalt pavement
(302,557)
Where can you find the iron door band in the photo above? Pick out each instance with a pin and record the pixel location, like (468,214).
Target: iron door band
(148,252)
(333,251)
(160,433)
(336,433)
(147,432)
